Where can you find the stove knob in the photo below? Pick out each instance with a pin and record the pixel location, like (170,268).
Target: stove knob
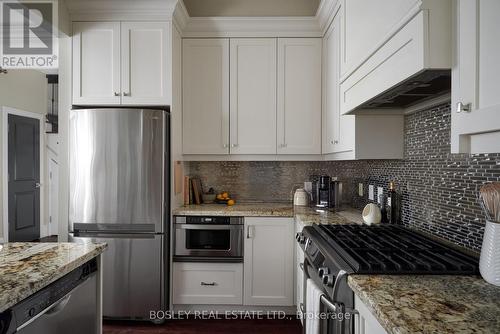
(298,236)
(327,280)
(322,271)
(307,243)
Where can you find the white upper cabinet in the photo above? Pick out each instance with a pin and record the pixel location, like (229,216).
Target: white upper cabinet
(121,63)
(96,63)
(253,96)
(475,123)
(299,96)
(205,80)
(338,129)
(347,137)
(145,74)
(268,275)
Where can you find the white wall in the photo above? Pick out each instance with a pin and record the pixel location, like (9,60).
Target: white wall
(25,90)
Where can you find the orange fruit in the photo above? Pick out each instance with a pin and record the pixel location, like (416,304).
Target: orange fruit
(230,202)
(219,197)
(225,195)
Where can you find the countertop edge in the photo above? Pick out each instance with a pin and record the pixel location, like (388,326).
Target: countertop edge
(381,318)
(24,291)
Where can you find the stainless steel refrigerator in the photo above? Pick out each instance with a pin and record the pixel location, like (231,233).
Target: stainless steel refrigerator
(119,194)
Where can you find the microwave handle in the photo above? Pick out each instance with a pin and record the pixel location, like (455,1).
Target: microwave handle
(208,227)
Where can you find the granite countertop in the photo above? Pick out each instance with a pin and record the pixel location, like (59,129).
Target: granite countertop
(304,215)
(239,209)
(430,304)
(309,216)
(26,268)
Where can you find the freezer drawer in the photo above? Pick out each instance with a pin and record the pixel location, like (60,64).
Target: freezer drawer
(133,274)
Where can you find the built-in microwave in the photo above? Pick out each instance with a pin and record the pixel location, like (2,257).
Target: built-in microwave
(208,239)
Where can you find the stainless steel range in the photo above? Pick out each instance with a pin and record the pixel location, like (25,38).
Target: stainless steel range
(332,252)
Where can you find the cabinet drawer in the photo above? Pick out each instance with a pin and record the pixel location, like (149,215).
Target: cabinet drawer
(207,283)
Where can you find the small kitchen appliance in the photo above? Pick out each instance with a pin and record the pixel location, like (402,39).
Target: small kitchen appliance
(301,197)
(327,192)
(208,239)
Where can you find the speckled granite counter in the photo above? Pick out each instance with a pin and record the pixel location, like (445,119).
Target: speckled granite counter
(430,304)
(239,209)
(26,268)
(304,215)
(309,216)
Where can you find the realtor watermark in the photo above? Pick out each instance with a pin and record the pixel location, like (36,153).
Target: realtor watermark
(28,34)
(237,314)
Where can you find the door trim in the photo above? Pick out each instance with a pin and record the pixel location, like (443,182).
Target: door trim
(6,111)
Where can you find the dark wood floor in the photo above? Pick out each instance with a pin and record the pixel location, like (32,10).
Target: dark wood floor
(210,326)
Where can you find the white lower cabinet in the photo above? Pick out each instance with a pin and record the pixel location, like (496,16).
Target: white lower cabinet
(269,261)
(367,323)
(207,283)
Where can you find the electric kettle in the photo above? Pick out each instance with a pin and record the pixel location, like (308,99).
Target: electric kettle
(301,197)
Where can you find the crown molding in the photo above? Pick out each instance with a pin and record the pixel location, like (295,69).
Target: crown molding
(252,27)
(181,16)
(111,10)
(326,12)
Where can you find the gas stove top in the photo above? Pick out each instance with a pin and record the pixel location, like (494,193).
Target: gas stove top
(333,252)
(394,250)
(387,249)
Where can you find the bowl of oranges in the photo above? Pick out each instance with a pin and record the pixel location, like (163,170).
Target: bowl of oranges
(224,198)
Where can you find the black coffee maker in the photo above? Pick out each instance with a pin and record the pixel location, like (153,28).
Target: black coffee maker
(326,193)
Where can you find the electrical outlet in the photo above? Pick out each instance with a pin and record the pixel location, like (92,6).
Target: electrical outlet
(371,190)
(380,191)
(360,190)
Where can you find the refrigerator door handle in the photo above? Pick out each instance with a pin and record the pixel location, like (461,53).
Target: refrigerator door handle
(130,235)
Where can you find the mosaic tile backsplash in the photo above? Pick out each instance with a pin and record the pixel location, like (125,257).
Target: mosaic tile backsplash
(439,189)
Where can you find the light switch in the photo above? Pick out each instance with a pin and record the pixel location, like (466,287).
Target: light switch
(360,190)
(371,195)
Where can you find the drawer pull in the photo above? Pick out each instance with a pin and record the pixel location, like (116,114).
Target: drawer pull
(208,284)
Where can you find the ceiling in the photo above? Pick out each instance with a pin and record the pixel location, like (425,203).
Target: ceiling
(204,8)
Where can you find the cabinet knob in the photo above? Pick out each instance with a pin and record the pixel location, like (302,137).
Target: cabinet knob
(331,141)
(225,145)
(117,94)
(335,141)
(126,94)
(463,107)
(234,145)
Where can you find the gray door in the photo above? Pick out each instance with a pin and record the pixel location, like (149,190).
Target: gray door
(24,178)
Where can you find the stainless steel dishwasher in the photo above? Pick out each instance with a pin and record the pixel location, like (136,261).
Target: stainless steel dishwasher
(68,305)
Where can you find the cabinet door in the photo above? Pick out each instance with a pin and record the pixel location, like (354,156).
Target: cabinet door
(205,82)
(367,323)
(146,63)
(253,96)
(299,96)
(338,129)
(268,261)
(96,63)
(475,78)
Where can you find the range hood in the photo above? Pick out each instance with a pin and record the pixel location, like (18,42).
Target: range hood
(416,89)
(412,65)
